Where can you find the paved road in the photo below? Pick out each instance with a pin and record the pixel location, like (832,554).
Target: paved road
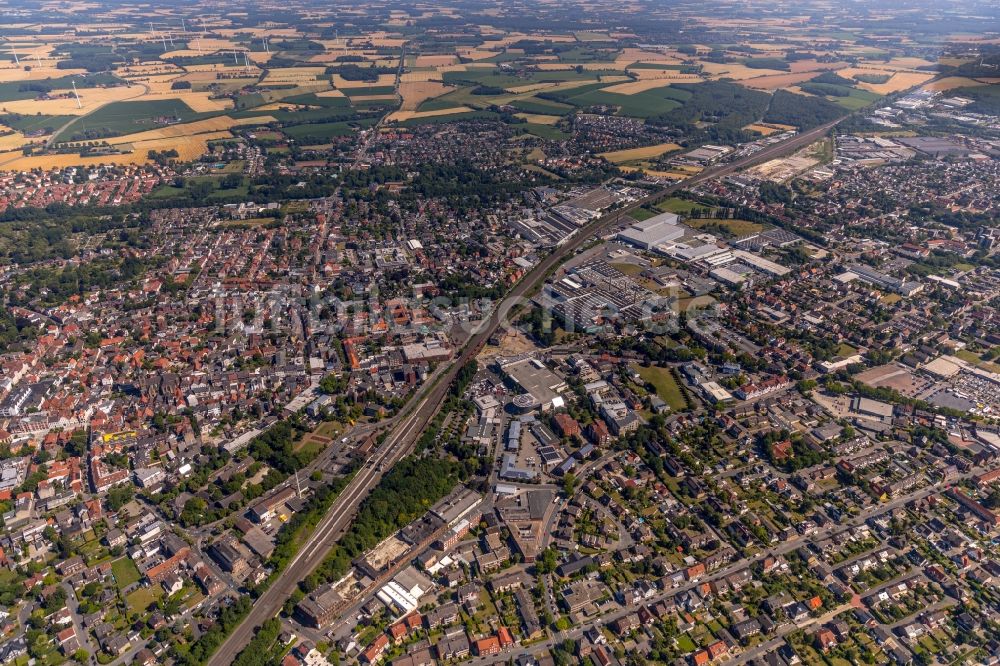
(431,396)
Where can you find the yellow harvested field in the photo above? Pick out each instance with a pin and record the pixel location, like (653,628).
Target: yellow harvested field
(539,118)
(635,87)
(797,66)
(630,56)
(11,141)
(665,75)
(736,71)
(564,66)
(390,42)
(952,82)
(435,60)
(778,80)
(330,93)
(414,93)
(293,74)
(373,98)
(182,130)
(529,88)
(898,80)
(9,74)
(475,54)
(64,102)
(200,102)
(673,175)
(270,32)
(399,116)
(148,69)
(188,148)
(767,129)
(644,153)
(344,84)
(420,75)
(909,63)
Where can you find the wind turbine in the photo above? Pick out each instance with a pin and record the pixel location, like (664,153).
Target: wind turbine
(78,104)
(14,51)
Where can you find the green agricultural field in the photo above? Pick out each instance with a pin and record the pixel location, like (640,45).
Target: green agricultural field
(641,105)
(437,103)
(328,130)
(542,106)
(766,63)
(365,92)
(665,384)
(118,118)
(26,123)
(312,99)
(437,120)
(543,131)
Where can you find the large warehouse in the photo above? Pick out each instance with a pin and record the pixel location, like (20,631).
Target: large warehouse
(652,232)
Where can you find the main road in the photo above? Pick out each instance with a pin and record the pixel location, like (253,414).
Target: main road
(430,397)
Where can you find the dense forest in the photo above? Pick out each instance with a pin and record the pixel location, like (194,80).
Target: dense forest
(801,111)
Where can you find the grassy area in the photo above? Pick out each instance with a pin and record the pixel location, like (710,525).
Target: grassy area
(329,429)
(641,214)
(627,269)
(666,385)
(735,228)
(975,359)
(544,131)
(125,571)
(677,205)
(685,644)
(846,350)
(141,599)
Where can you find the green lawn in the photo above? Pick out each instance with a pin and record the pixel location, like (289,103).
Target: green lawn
(665,384)
(846,350)
(141,599)
(685,644)
(735,228)
(641,214)
(125,571)
(677,205)
(543,131)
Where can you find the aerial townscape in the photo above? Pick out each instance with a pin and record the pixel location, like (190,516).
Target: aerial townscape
(496,332)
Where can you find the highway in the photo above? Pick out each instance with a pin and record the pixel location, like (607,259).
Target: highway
(431,396)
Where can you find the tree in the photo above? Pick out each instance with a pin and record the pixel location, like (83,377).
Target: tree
(569,484)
